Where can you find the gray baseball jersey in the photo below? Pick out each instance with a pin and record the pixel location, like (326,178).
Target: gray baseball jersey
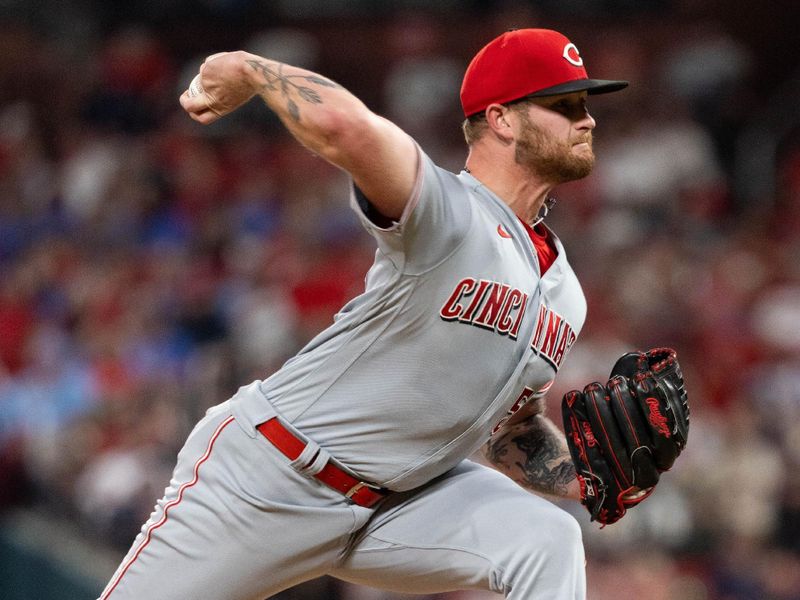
(455,330)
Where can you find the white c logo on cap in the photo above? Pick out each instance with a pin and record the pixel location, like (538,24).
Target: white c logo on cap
(570,50)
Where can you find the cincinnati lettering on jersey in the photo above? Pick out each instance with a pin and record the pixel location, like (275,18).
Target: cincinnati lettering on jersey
(553,338)
(500,308)
(486,304)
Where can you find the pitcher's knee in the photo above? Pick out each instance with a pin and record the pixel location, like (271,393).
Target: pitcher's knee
(556,538)
(549,558)
(565,528)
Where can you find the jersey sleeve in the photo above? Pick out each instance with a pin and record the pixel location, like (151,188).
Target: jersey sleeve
(434,222)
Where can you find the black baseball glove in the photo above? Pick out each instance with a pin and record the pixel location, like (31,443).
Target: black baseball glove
(622,435)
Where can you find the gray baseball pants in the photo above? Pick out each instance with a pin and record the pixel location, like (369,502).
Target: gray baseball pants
(238,522)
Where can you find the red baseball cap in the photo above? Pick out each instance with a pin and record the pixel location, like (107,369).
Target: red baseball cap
(527,62)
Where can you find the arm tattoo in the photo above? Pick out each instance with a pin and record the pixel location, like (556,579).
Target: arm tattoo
(545,467)
(497,451)
(275,80)
(533,454)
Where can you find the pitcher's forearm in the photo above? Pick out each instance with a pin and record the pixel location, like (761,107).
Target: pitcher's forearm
(323,116)
(533,453)
(315,110)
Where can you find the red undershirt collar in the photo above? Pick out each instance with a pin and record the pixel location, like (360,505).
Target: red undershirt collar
(543,242)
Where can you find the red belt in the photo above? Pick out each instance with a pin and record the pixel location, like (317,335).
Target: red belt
(360,492)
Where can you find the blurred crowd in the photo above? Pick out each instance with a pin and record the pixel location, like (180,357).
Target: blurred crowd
(150,266)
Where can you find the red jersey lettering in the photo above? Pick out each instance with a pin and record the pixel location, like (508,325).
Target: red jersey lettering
(491,309)
(452,309)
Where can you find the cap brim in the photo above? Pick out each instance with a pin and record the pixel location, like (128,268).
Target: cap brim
(593,86)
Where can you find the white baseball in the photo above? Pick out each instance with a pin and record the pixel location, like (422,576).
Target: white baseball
(195,88)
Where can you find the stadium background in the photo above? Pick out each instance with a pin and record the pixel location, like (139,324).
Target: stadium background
(148,266)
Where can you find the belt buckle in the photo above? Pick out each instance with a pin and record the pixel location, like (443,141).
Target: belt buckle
(357,487)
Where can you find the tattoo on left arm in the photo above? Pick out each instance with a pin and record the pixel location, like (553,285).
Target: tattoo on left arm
(534,454)
(545,466)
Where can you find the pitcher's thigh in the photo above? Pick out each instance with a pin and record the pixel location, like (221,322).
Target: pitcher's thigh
(236,523)
(471,529)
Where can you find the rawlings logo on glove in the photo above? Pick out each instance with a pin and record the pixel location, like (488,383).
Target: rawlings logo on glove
(655,417)
(624,434)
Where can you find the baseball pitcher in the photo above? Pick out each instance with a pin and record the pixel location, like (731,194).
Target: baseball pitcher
(352,459)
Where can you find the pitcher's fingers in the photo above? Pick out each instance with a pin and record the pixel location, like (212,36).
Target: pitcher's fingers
(192,104)
(204,117)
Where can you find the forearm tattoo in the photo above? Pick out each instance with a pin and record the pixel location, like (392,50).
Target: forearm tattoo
(535,457)
(545,467)
(496,452)
(275,80)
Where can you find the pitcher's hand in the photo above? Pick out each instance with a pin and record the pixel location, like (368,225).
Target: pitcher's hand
(225,83)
